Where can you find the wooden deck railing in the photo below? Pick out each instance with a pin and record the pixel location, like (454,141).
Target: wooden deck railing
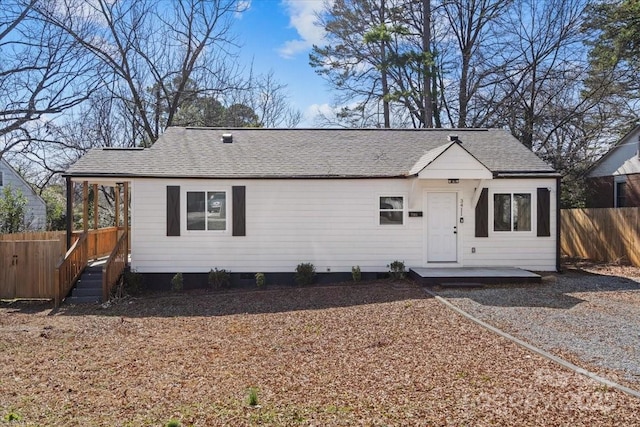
(101,241)
(70,268)
(113,268)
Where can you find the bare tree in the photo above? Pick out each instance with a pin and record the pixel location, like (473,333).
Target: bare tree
(149,55)
(43,72)
(469,21)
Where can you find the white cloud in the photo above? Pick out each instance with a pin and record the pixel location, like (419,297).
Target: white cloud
(302,17)
(243,6)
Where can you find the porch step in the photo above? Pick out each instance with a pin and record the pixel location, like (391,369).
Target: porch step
(89,287)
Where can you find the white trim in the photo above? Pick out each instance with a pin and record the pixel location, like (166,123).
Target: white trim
(460,229)
(513,233)
(405,202)
(477,192)
(203,188)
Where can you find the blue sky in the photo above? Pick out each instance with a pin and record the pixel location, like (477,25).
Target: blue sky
(277,35)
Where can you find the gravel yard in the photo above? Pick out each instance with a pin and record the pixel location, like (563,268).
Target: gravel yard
(371,354)
(589,315)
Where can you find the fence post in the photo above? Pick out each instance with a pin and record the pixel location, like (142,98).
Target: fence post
(56,285)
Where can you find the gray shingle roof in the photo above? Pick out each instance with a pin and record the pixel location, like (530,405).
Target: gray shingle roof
(304,153)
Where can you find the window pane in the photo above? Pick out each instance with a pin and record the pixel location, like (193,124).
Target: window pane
(502,212)
(522,212)
(216,210)
(391,202)
(391,210)
(195,210)
(620,194)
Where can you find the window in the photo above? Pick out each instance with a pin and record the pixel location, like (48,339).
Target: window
(620,194)
(1,178)
(206,210)
(512,212)
(391,210)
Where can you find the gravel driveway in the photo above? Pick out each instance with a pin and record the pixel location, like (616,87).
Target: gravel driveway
(588,315)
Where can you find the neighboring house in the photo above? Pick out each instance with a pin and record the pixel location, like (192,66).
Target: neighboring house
(614,180)
(36,209)
(265,200)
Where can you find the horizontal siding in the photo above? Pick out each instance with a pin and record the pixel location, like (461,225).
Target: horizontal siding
(623,159)
(514,249)
(36,211)
(331,223)
(455,163)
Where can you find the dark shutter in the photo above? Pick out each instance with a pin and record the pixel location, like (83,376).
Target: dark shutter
(482,214)
(544,212)
(239,208)
(173,210)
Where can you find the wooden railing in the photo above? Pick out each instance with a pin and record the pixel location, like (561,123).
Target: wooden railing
(113,268)
(70,268)
(101,241)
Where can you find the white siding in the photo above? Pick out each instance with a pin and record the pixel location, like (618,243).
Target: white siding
(331,223)
(455,163)
(515,249)
(36,215)
(622,160)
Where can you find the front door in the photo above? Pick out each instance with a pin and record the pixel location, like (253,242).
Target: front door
(442,227)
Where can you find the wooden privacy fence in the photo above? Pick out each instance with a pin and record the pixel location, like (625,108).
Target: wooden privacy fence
(34,265)
(603,234)
(27,266)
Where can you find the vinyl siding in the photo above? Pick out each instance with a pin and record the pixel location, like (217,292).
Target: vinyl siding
(455,163)
(523,249)
(332,223)
(36,215)
(622,160)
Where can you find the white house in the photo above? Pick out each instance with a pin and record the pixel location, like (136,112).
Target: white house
(265,200)
(614,180)
(36,209)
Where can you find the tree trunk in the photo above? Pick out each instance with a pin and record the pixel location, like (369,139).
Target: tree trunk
(427,112)
(385,83)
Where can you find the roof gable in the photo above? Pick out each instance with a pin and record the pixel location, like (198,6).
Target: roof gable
(24,186)
(450,161)
(621,159)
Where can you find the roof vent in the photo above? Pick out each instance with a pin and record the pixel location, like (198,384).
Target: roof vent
(227,138)
(453,138)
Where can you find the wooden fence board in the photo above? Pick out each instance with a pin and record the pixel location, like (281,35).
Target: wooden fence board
(603,234)
(28,261)
(27,268)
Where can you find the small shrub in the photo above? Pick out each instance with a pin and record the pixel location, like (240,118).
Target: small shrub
(12,416)
(397,270)
(253,396)
(177,283)
(219,278)
(133,283)
(305,273)
(173,423)
(260,280)
(356,274)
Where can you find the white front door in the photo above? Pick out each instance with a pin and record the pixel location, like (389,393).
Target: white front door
(442,227)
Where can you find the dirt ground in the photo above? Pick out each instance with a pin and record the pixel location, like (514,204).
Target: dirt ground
(373,354)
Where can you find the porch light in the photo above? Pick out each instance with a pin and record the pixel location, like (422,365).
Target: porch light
(453,180)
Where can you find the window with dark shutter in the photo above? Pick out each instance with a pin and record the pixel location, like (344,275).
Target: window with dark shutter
(482,214)
(239,208)
(173,210)
(544,212)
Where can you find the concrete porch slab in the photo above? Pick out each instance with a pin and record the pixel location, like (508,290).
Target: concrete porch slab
(476,275)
